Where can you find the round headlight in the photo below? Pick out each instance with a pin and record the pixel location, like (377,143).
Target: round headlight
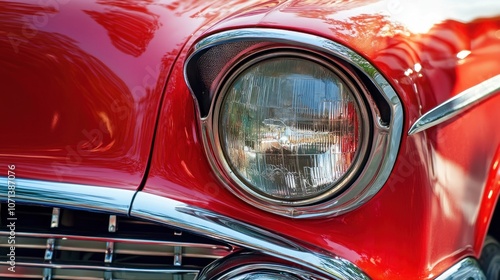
(291,128)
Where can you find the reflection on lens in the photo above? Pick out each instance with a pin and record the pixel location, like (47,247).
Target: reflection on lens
(289,128)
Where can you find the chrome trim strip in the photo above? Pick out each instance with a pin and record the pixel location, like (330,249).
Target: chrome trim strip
(174,213)
(385,143)
(456,105)
(104,268)
(467,268)
(69,195)
(115,239)
(110,245)
(55,217)
(110,252)
(49,251)
(112,223)
(135,249)
(168,211)
(177,256)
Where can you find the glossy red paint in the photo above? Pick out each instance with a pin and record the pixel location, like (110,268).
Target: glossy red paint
(79,98)
(488,201)
(94,122)
(82,83)
(426,217)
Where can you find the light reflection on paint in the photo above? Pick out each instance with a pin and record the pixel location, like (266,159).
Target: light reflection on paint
(418,67)
(55,121)
(453,184)
(420,16)
(463,54)
(107,122)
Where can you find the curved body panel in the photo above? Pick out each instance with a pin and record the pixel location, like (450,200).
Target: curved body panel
(94,121)
(425,218)
(93,93)
(82,83)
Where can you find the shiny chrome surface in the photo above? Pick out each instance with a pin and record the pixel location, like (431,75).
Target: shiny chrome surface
(467,268)
(68,195)
(74,272)
(386,136)
(112,223)
(55,217)
(157,209)
(168,211)
(80,250)
(457,104)
(35,240)
(251,265)
(268,272)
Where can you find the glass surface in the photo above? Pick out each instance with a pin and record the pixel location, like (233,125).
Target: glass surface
(289,128)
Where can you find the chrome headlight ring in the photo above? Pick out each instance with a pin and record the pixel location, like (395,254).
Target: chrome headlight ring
(210,75)
(317,137)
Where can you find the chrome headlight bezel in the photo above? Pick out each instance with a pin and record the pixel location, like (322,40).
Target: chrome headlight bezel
(222,159)
(211,64)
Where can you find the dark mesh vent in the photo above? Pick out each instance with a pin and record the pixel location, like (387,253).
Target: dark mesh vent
(217,58)
(208,65)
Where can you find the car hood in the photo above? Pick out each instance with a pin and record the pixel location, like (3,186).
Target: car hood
(82,82)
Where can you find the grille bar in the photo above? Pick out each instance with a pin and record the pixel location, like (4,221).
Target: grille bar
(115,239)
(54,243)
(106,268)
(98,245)
(29,270)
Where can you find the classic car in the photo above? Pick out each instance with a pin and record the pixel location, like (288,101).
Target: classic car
(261,139)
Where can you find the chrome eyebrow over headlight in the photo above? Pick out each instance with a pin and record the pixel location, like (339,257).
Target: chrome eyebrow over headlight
(294,124)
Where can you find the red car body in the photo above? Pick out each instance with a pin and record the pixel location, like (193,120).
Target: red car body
(94,93)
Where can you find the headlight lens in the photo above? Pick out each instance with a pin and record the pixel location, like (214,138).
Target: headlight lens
(290,128)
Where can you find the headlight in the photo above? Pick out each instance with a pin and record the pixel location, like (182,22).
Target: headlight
(291,128)
(292,123)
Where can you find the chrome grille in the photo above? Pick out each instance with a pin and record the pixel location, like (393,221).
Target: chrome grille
(53,243)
